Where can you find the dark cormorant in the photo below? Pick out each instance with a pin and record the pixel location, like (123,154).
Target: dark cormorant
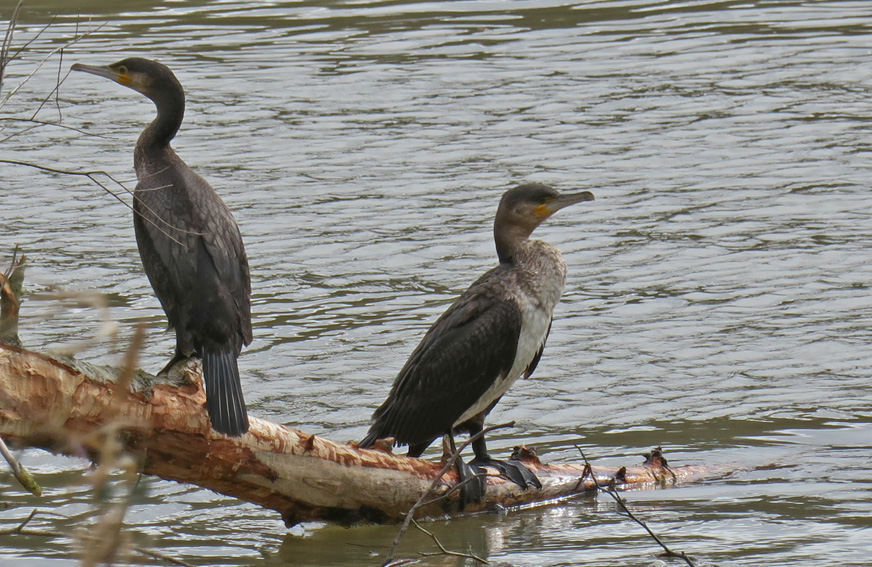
(491,335)
(190,246)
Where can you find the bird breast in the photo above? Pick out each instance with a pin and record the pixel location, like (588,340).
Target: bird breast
(535,284)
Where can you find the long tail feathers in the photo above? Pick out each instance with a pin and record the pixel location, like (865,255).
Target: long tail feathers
(370,439)
(224,393)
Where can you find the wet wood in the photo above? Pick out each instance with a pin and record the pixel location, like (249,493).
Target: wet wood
(10,292)
(69,407)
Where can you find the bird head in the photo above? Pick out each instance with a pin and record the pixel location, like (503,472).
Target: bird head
(154,80)
(529,204)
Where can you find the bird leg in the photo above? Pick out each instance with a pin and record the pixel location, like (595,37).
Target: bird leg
(178,357)
(512,469)
(470,479)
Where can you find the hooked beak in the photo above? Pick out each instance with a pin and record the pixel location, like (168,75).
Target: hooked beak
(103,71)
(563,201)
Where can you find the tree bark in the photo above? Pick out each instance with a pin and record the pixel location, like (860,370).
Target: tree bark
(70,407)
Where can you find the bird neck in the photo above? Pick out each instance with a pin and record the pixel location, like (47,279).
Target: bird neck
(510,241)
(170,112)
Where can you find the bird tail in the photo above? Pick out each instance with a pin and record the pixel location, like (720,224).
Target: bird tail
(224,393)
(371,437)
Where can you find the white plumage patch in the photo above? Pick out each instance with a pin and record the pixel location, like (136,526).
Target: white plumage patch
(537,307)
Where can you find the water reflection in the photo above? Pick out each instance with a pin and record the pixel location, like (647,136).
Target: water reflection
(717,299)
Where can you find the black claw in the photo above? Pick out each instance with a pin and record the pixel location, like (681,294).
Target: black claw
(513,470)
(472,483)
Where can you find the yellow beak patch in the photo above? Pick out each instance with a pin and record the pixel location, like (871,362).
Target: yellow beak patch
(543,211)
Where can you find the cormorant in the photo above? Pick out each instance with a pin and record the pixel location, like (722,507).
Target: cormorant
(189,244)
(491,335)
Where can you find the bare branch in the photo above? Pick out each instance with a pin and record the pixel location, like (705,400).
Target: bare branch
(6,58)
(59,80)
(50,54)
(21,530)
(610,490)
(54,91)
(92,175)
(447,551)
(421,501)
(11,58)
(162,556)
(22,475)
(38,123)
(7,42)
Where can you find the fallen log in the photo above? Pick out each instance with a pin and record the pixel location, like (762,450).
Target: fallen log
(69,406)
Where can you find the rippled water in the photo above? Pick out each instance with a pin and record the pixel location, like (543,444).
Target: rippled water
(718,296)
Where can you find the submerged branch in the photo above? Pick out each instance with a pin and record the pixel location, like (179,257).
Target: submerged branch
(449,464)
(655,458)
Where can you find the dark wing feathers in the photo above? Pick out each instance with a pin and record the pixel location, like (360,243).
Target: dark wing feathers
(223,242)
(535,362)
(459,358)
(175,229)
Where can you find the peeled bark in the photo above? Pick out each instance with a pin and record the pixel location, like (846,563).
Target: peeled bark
(69,407)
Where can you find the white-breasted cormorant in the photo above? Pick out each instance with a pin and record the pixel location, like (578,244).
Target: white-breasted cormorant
(491,335)
(189,244)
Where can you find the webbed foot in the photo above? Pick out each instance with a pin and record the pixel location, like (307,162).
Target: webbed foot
(512,469)
(472,483)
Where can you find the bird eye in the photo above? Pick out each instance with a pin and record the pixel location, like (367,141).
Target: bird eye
(122,69)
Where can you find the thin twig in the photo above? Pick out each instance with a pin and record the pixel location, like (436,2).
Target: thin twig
(39,123)
(22,475)
(34,38)
(448,465)
(7,41)
(26,520)
(129,364)
(12,57)
(33,513)
(47,57)
(92,176)
(57,89)
(452,490)
(12,265)
(107,537)
(446,551)
(54,91)
(610,490)
(21,530)
(6,58)
(162,556)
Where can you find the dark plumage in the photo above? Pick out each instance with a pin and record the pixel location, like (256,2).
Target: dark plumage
(490,336)
(189,244)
